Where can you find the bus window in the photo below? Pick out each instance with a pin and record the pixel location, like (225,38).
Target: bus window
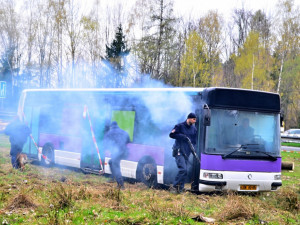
(71,120)
(232,128)
(49,120)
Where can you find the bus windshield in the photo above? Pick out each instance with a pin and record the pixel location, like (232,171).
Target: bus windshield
(234,132)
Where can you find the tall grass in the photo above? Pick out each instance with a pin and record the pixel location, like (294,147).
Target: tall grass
(61,196)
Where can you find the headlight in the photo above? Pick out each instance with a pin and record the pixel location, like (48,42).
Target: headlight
(277,177)
(213,175)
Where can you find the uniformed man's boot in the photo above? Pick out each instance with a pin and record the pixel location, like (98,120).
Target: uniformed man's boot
(173,190)
(111,180)
(121,186)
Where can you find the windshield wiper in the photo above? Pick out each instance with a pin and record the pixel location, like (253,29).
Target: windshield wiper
(242,147)
(272,157)
(228,154)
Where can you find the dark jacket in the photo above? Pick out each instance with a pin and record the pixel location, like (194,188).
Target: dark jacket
(179,132)
(18,133)
(116,140)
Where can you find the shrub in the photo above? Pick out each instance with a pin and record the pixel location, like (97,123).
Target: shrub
(236,207)
(289,199)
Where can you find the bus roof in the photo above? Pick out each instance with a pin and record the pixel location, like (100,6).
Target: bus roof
(175,89)
(241,99)
(214,97)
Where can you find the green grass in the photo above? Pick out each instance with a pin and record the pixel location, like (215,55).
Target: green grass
(290,144)
(38,196)
(4,143)
(291,178)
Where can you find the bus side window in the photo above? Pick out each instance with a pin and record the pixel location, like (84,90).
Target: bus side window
(48,120)
(71,120)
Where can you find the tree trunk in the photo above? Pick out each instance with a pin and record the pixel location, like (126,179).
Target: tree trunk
(279,79)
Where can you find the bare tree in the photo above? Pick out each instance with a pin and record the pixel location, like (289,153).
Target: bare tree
(242,20)
(287,58)
(261,24)
(210,30)
(10,44)
(158,38)
(59,15)
(73,29)
(45,41)
(288,31)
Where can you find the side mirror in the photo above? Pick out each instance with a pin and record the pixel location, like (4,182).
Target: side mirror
(206,115)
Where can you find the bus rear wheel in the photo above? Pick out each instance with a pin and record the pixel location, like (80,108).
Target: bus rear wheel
(146,173)
(47,158)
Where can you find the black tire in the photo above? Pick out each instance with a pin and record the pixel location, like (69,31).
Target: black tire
(48,151)
(147,172)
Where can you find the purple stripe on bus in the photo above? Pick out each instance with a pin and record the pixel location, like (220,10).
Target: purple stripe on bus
(215,162)
(72,144)
(137,152)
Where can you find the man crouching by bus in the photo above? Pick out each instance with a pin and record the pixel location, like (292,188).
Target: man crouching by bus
(181,149)
(116,140)
(18,134)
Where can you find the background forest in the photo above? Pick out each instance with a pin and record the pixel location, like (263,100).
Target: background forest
(57,44)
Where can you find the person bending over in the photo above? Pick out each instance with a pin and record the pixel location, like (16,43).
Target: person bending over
(18,133)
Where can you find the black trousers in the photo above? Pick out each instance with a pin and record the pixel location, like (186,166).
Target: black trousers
(181,162)
(15,150)
(116,170)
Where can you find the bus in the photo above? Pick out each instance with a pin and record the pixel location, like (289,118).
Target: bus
(238,141)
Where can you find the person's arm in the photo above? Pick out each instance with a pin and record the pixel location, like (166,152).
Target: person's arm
(194,140)
(176,134)
(128,140)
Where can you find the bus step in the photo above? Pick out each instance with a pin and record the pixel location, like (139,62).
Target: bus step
(93,171)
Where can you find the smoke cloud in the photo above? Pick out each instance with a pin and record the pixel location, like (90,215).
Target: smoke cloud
(154,114)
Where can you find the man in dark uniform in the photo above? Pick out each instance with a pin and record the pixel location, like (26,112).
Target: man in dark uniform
(181,149)
(18,134)
(116,140)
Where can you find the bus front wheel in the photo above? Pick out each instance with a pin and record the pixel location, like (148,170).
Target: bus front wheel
(146,172)
(47,158)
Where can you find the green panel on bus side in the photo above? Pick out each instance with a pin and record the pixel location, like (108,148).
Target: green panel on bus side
(125,120)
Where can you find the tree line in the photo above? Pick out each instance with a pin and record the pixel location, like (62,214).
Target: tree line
(57,44)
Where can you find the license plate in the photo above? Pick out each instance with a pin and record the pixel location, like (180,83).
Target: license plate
(248,187)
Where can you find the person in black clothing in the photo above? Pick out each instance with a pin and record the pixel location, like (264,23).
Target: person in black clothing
(181,149)
(116,140)
(18,134)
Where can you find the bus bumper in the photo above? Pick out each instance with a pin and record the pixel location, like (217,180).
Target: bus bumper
(213,183)
(240,181)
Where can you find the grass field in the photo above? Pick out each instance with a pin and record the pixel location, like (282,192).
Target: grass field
(290,144)
(62,196)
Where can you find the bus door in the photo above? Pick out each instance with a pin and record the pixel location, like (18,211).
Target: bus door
(95,124)
(31,118)
(68,143)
